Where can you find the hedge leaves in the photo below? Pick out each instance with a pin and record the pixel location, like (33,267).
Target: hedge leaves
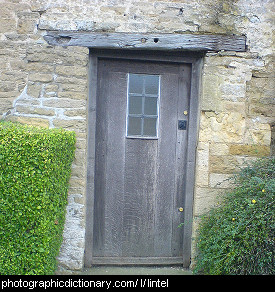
(238,237)
(35,166)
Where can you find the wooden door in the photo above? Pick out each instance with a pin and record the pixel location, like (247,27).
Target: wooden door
(140,160)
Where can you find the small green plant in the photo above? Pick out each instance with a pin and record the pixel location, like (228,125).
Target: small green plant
(238,237)
(35,167)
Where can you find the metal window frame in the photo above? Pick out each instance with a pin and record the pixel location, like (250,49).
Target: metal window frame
(143,115)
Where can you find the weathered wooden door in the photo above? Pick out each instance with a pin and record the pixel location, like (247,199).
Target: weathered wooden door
(140,153)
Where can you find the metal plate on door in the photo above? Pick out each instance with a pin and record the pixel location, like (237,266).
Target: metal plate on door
(182,124)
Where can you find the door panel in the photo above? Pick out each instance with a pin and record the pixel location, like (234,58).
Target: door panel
(139,182)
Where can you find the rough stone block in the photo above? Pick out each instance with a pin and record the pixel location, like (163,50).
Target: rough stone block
(5,104)
(73,71)
(7,86)
(257,137)
(219,149)
(34,89)
(210,94)
(203,154)
(78,171)
(220,181)
(202,177)
(81,144)
(222,127)
(249,150)
(80,87)
(40,67)
(64,103)
(51,90)
(27,22)
(205,199)
(223,164)
(7,25)
(76,112)
(40,77)
(35,110)
(41,122)
(79,125)
(74,94)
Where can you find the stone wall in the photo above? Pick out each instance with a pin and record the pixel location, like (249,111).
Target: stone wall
(47,86)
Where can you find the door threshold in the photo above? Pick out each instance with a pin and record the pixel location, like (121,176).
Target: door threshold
(133,261)
(135,270)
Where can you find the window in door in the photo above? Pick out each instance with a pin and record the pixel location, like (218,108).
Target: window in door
(143,105)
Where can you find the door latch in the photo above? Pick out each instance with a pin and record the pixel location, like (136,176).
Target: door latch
(182,124)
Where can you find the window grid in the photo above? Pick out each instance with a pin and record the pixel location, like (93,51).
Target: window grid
(142,115)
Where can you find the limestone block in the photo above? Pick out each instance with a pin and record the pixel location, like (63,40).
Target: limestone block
(5,104)
(255,136)
(41,122)
(222,127)
(80,158)
(249,150)
(34,110)
(260,92)
(220,180)
(223,164)
(34,89)
(210,94)
(76,182)
(76,112)
(7,86)
(203,154)
(202,177)
(27,22)
(72,71)
(74,94)
(205,199)
(72,248)
(233,91)
(27,101)
(229,106)
(42,55)
(40,67)
(64,103)
(229,164)
(74,124)
(8,95)
(219,149)
(81,144)
(7,25)
(40,77)
(51,90)
(78,171)
(75,80)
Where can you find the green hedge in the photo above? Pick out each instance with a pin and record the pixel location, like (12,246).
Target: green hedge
(35,167)
(238,237)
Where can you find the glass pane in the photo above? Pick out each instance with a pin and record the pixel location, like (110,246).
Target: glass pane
(151,106)
(135,105)
(134,126)
(149,127)
(135,83)
(152,84)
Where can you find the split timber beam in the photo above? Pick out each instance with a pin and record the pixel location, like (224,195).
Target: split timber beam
(140,41)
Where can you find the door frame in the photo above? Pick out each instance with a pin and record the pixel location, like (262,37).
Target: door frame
(195,59)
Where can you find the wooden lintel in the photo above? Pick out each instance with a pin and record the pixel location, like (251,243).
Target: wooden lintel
(139,41)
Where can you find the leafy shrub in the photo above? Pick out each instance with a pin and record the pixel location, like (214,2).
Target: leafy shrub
(238,237)
(35,166)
